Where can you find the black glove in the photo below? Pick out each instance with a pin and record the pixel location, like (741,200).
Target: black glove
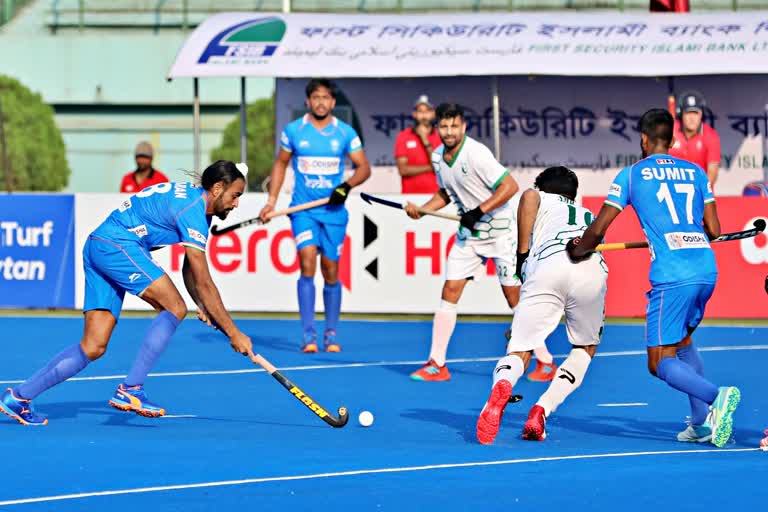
(469,219)
(521,257)
(570,248)
(340,194)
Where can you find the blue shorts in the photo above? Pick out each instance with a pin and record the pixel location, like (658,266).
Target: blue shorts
(674,313)
(112,269)
(329,238)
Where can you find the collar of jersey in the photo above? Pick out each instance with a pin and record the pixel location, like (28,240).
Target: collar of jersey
(453,160)
(334,122)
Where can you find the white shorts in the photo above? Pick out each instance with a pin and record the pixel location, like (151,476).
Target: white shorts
(554,286)
(465,259)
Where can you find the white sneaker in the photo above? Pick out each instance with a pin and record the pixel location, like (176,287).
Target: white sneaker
(696,434)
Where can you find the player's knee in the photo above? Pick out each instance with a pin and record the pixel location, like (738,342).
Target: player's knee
(179,310)
(652,368)
(452,291)
(93,348)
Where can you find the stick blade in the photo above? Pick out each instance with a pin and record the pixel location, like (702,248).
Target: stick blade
(759,224)
(342,419)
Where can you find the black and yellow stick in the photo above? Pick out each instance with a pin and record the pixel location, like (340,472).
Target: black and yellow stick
(301,396)
(758,227)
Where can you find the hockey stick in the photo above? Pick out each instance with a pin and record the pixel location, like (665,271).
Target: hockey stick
(271,215)
(759,227)
(301,396)
(368,198)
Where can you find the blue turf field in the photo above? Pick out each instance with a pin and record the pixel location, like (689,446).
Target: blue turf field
(241,440)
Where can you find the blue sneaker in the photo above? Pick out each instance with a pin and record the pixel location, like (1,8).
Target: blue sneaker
(20,409)
(133,399)
(722,414)
(309,343)
(329,342)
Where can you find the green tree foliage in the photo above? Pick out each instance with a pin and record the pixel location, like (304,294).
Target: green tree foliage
(260,142)
(35,156)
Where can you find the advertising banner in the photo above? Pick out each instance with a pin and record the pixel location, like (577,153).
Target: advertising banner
(392,264)
(742,265)
(589,124)
(36,250)
(491,43)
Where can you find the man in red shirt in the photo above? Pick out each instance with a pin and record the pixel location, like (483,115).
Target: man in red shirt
(145,175)
(695,140)
(413,150)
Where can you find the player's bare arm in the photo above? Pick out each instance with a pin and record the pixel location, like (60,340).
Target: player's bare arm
(211,300)
(406,170)
(436,202)
(711,221)
(276,178)
(580,248)
(362,168)
(503,193)
(526,216)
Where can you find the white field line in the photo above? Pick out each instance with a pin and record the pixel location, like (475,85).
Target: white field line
(725,348)
(246,481)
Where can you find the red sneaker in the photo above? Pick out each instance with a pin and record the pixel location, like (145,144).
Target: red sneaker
(543,373)
(535,427)
(490,417)
(764,442)
(430,372)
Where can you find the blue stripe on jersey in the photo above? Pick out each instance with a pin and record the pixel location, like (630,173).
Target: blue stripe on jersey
(668,195)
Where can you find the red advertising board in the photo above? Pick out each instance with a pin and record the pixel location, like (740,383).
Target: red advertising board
(742,265)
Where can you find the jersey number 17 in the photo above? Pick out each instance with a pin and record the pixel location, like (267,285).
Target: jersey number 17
(665,196)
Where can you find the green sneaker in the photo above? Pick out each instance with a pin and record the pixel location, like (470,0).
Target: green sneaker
(722,414)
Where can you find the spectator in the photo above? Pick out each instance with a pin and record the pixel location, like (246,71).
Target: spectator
(695,140)
(413,150)
(145,175)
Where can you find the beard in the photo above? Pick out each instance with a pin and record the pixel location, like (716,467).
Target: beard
(450,147)
(220,211)
(320,117)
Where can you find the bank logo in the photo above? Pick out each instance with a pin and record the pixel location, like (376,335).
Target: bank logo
(248,42)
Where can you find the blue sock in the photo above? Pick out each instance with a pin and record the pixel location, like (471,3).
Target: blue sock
(332,303)
(67,363)
(158,335)
(691,356)
(306,292)
(683,377)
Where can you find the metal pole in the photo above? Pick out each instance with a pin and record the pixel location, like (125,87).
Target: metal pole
(243,136)
(196,124)
(286,6)
(496,118)
(81,14)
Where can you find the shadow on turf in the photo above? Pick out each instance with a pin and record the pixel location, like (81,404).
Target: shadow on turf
(112,417)
(612,426)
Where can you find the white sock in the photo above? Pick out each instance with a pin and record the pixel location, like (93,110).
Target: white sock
(569,376)
(543,355)
(509,368)
(442,330)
